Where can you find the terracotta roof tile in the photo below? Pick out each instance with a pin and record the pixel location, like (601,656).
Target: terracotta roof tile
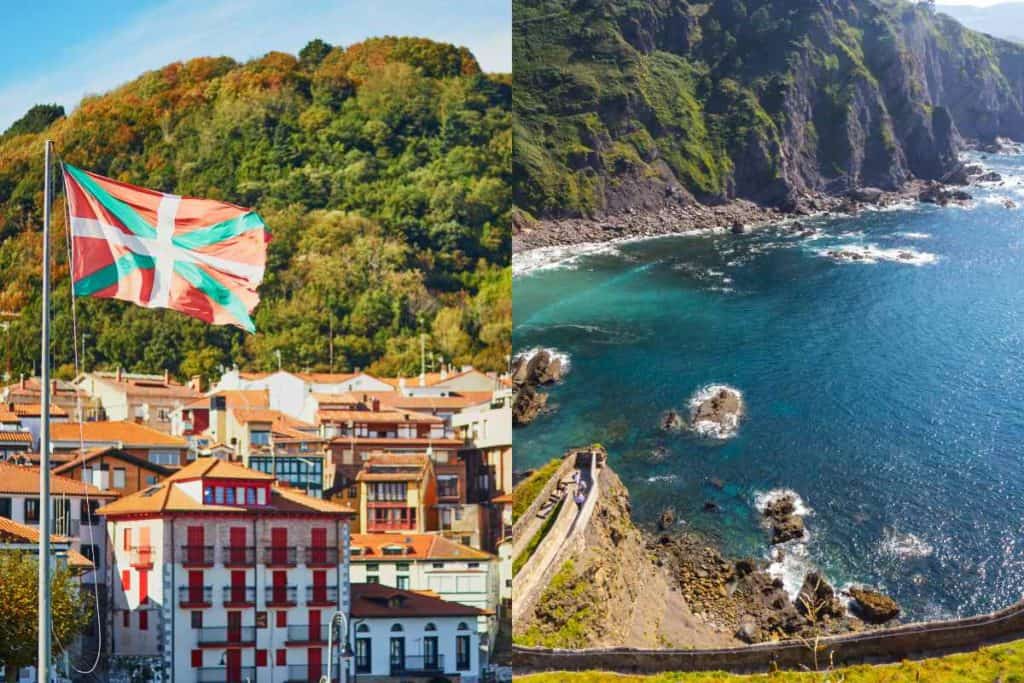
(34,410)
(126,434)
(415,546)
(15,532)
(25,479)
(376,417)
(7,436)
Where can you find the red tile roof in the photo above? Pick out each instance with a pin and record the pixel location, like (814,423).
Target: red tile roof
(24,479)
(376,600)
(12,531)
(167,496)
(7,436)
(414,546)
(124,434)
(376,417)
(34,410)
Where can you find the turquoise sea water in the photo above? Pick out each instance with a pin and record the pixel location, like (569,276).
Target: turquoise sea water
(888,394)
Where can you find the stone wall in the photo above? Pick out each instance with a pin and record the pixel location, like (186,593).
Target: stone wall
(912,641)
(528,524)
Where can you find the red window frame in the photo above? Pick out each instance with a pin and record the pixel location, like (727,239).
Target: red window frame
(282,654)
(261,657)
(126,579)
(282,619)
(197,659)
(143,620)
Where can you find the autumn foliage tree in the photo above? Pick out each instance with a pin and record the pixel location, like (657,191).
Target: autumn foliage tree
(383,170)
(19,574)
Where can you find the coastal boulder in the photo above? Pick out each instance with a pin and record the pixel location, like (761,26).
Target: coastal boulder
(817,598)
(785,523)
(874,607)
(528,404)
(718,414)
(671,421)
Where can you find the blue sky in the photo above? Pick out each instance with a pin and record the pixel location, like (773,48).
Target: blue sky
(59,51)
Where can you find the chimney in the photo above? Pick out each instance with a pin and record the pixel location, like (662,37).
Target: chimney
(167,376)
(376,405)
(23,380)
(195,383)
(358,370)
(423,380)
(53,386)
(401,383)
(120,374)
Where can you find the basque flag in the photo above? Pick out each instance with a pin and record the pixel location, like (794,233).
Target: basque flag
(201,257)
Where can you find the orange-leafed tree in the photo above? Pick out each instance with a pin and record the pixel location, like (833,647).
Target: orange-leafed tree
(19,599)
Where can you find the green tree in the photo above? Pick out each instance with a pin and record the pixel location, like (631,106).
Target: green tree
(19,617)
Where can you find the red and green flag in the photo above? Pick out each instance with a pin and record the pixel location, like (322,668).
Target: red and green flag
(201,257)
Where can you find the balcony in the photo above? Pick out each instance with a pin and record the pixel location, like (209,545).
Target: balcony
(281,596)
(195,596)
(280,557)
(373,525)
(238,596)
(301,673)
(219,674)
(321,557)
(417,664)
(141,557)
(239,556)
(307,635)
(224,635)
(321,596)
(196,555)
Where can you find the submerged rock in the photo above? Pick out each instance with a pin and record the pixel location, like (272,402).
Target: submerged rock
(671,421)
(874,607)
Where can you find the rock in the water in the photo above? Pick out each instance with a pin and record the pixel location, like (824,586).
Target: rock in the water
(671,421)
(738,228)
(710,506)
(528,404)
(718,414)
(874,607)
(869,195)
(785,523)
(818,599)
(1009,204)
(990,177)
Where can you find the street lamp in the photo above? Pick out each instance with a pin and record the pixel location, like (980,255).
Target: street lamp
(346,649)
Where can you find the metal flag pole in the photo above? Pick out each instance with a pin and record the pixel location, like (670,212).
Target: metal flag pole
(43,665)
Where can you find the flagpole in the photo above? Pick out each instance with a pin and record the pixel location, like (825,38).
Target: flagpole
(43,665)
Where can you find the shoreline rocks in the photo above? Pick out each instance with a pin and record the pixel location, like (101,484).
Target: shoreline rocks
(786,524)
(529,372)
(874,607)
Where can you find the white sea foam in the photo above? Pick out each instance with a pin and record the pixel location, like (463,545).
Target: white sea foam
(914,235)
(872,253)
(554,353)
(904,545)
(791,562)
(661,477)
(709,428)
(550,258)
(762,499)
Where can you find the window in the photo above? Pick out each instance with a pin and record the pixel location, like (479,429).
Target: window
(364,655)
(430,627)
(208,495)
(126,619)
(282,619)
(402,567)
(5,508)
(92,553)
(150,480)
(218,495)
(261,657)
(88,511)
(197,659)
(372,578)
(197,619)
(164,458)
(448,486)
(462,653)
(230,496)
(250,496)
(437,565)
(144,620)
(31,510)
(261,496)
(260,438)
(474,565)
(282,657)
(372,567)
(403,583)
(396,628)
(119,478)
(430,658)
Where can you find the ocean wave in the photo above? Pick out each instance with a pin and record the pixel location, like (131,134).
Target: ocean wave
(711,429)
(904,546)
(791,562)
(558,257)
(762,499)
(913,235)
(872,253)
(554,353)
(661,477)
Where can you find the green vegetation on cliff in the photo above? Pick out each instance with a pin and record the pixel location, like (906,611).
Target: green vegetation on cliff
(998,663)
(625,104)
(382,170)
(528,489)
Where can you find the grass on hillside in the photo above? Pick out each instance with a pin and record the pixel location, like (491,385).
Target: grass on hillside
(519,562)
(530,488)
(1003,663)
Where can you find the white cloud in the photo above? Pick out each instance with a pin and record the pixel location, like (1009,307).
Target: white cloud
(180,30)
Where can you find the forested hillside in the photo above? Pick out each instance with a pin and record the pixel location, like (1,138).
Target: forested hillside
(624,104)
(382,170)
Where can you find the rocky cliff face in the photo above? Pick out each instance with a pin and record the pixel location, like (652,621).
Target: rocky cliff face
(641,105)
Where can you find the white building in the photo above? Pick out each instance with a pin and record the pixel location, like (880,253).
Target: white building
(487,427)
(400,635)
(288,390)
(222,575)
